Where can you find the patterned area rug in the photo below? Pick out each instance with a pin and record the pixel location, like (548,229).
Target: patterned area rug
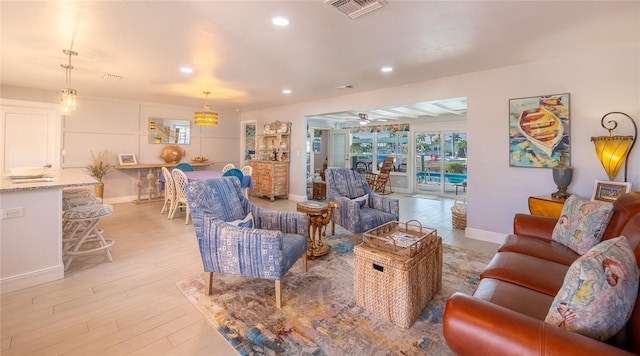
(319,315)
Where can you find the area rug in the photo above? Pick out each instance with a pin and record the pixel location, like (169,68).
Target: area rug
(319,315)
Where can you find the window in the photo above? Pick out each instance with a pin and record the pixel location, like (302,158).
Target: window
(371,144)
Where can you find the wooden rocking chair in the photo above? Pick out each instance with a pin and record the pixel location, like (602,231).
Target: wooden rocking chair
(378,182)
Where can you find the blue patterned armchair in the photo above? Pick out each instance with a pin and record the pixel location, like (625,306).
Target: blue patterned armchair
(266,250)
(357,216)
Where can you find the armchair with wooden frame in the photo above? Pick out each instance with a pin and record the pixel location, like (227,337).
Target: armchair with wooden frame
(378,182)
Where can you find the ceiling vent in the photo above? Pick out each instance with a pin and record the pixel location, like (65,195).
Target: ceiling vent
(356,8)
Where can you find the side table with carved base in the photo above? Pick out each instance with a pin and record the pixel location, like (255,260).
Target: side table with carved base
(319,215)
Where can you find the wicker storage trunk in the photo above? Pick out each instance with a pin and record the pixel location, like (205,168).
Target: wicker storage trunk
(397,287)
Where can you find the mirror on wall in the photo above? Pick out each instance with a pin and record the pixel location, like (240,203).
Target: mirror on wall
(169,131)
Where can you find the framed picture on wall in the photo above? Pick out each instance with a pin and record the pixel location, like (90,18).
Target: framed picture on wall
(609,191)
(127,159)
(539,131)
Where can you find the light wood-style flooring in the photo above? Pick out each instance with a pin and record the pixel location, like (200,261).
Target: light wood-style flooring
(131,306)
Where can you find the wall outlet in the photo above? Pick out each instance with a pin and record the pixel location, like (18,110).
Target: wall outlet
(12,213)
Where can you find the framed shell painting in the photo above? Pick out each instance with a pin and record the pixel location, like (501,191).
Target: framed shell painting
(539,131)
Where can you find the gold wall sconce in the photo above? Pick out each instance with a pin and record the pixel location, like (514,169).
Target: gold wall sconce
(613,150)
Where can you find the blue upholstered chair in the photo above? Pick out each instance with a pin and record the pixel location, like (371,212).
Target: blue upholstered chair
(357,216)
(185,167)
(234,172)
(267,250)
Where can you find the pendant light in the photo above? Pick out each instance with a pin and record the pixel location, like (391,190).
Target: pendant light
(206,117)
(613,150)
(68,99)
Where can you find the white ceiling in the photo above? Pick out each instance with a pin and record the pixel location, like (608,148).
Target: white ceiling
(246,62)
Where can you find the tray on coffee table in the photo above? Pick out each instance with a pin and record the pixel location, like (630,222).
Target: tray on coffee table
(400,238)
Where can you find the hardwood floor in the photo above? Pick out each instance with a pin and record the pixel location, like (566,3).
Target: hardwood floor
(131,306)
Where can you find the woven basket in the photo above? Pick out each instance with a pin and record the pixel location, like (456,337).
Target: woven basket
(394,287)
(459,215)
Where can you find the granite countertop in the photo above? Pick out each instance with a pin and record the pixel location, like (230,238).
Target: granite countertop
(54,179)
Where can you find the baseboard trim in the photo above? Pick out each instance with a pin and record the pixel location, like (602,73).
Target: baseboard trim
(483,235)
(13,283)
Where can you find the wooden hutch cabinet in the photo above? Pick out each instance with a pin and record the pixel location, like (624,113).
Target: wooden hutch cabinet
(271,167)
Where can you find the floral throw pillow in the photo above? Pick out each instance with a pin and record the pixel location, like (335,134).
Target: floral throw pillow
(582,223)
(599,291)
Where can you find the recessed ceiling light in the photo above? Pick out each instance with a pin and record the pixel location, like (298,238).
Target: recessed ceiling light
(280,21)
(186,70)
(386,69)
(286,91)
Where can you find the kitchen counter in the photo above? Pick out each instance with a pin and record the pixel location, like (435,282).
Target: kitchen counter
(31,228)
(60,179)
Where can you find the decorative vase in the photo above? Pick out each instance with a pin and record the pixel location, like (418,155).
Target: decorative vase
(99,190)
(562,176)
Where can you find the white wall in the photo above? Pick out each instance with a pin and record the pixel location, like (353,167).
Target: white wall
(122,127)
(600,81)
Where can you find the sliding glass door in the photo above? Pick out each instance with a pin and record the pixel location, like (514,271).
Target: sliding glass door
(441,163)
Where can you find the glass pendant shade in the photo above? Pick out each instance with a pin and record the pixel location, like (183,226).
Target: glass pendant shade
(206,117)
(612,151)
(68,100)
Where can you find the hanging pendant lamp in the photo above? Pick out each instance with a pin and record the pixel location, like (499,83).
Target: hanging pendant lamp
(206,117)
(68,100)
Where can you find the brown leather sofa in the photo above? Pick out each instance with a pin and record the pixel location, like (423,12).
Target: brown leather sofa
(505,315)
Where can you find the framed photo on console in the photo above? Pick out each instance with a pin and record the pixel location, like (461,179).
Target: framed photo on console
(127,159)
(609,191)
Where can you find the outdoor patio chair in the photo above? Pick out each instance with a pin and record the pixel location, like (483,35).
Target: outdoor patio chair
(227,167)
(378,182)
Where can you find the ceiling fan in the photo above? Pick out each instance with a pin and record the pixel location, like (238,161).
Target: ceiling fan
(365,120)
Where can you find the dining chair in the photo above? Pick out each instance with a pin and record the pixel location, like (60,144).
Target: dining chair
(169,191)
(185,167)
(180,180)
(247,170)
(234,172)
(228,167)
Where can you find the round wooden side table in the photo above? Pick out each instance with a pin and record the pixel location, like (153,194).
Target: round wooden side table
(319,215)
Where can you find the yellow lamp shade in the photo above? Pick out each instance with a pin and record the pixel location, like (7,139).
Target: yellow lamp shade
(206,117)
(612,151)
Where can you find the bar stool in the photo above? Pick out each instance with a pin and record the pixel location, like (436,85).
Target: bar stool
(81,236)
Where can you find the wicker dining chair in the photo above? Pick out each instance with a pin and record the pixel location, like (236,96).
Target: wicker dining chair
(169,191)
(180,180)
(228,167)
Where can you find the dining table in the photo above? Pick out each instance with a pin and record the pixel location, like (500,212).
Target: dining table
(204,175)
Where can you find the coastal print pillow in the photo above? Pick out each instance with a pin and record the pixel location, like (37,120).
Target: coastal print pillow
(582,223)
(599,291)
(246,222)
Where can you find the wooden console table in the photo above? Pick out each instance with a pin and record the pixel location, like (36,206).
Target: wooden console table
(153,177)
(546,206)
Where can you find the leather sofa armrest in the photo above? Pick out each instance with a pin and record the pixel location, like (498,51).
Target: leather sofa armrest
(533,225)
(473,326)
